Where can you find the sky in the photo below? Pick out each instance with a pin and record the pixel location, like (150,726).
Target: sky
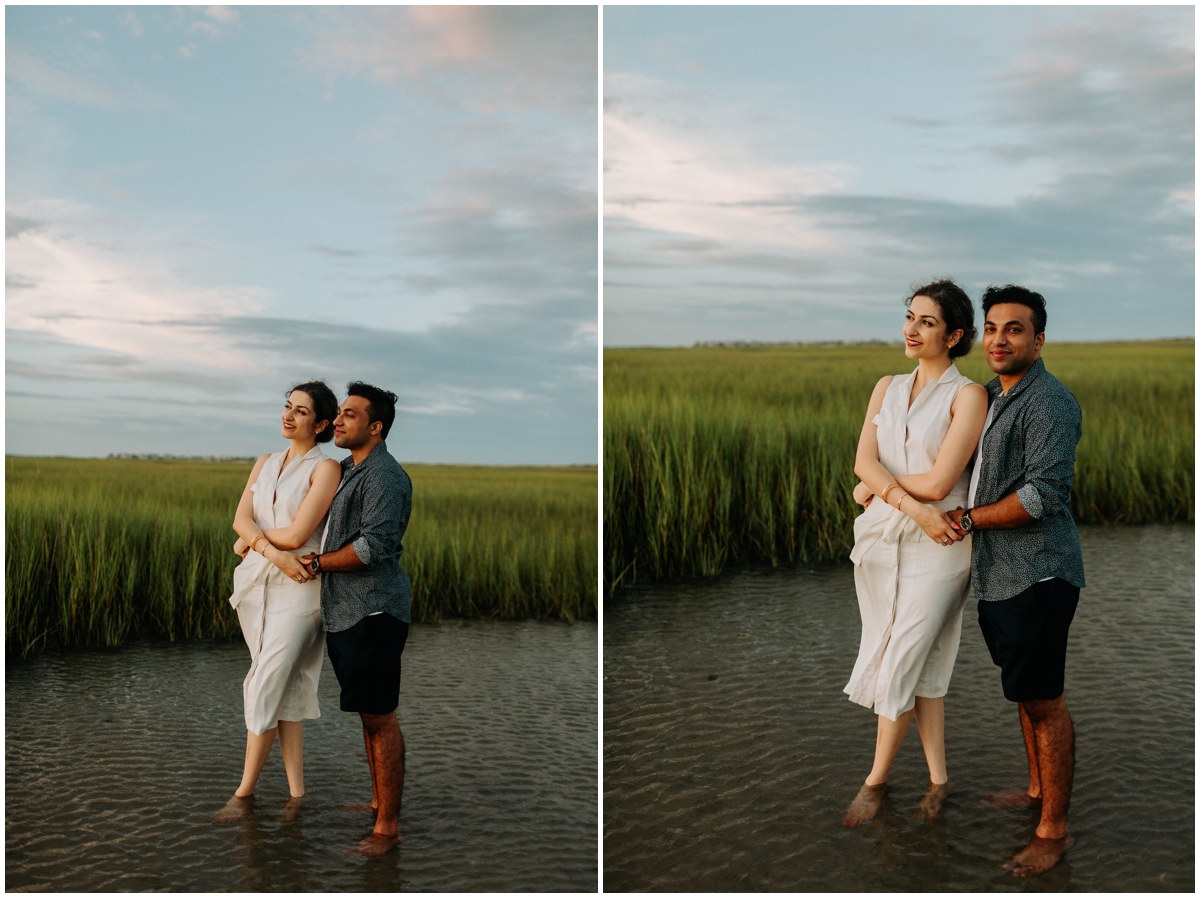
(785,174)
(206,205)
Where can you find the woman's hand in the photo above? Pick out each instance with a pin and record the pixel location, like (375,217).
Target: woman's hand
(290,564)
(936,523)
(863,494)
(240,548)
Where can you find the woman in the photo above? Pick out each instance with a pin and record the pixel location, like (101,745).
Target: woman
(912,566)
(280,517)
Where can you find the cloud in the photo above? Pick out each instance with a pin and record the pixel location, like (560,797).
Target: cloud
(85,90)
(512,57)
(708,238)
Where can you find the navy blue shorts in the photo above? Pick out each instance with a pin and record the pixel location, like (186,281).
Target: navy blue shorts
(1027,636)
(366,660)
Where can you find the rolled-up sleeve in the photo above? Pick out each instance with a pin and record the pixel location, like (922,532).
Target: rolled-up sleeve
(1053,427)
(383,514)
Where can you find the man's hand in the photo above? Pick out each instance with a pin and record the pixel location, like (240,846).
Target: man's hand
(956,516)
(306,560)
(863,494)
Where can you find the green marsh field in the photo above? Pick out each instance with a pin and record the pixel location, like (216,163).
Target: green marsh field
(719,454)
(97,550)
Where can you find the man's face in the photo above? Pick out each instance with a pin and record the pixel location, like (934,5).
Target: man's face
(1009,343)
(352,427)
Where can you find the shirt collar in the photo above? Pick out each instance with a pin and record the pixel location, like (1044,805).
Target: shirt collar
(348,462)
(994,388)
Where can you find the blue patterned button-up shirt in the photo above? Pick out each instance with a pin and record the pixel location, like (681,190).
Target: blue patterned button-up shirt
(1029,449)
(370,511)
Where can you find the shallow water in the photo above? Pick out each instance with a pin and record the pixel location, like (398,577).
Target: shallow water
(116,761)
(731,752)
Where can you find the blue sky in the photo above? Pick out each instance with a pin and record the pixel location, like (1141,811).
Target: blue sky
(787,173)
(205,205)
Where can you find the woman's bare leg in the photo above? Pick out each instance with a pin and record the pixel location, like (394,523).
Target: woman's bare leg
(291,745)
(931,725)
(888,739)
(257,749)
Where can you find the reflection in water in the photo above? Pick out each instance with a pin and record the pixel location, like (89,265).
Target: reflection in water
(731,753)
(116,762)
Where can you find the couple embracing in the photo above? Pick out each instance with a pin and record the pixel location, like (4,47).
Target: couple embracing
(319,543)
(969,485)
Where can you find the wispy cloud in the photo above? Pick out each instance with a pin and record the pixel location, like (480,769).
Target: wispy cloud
(518,57)
(1091,123)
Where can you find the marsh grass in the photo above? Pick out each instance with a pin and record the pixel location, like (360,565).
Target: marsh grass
(719,454)
(97,550)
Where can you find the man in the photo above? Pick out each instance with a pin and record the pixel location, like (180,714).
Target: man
(1026,565)
(365,594)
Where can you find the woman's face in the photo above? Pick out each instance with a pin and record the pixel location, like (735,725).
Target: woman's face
(299,419)
(925,334)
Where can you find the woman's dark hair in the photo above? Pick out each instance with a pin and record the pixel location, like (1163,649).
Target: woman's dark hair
(325,406)
(1035,302)
(957,311)
(381,404)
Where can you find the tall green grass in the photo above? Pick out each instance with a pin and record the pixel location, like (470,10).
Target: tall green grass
(97,550)
(719,454)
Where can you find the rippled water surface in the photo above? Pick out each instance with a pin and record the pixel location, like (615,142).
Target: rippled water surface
(115,762)
(731,753)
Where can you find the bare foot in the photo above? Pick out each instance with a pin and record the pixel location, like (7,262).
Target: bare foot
(1012,798)
(931,804)
(374,845)
(291,810)
(356,809)
(235,809)
(865,805)
(1039,855)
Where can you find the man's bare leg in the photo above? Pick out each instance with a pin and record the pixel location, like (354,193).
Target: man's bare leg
(1054,740)
(258,747)
(889,736)
(371,764)
(386,753)
(1022,798)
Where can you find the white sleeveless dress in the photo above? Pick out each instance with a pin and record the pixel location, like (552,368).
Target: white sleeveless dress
(911,590)
(280,618)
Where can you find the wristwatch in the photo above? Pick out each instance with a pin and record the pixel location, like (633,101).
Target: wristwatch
(315,564)
(965,522)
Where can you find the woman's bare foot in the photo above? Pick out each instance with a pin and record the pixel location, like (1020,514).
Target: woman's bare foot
(1012,798)
(291,810)
(374,845)
(235,809)
(865,805)
(931,803)
(1039,855)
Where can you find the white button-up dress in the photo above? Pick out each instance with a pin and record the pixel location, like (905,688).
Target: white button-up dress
(280,618)
(911,590)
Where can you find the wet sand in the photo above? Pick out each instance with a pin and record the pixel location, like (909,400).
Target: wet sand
(731,752)
(116,762)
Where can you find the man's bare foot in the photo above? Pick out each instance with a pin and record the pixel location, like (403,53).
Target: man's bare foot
(291,810)
(931,803)
(357,809)
(1012,798)
(1039,855)
(235,809)
(374,845)
(865,805)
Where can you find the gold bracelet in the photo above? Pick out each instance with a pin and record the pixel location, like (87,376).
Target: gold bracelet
(888,489)
(254,541)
